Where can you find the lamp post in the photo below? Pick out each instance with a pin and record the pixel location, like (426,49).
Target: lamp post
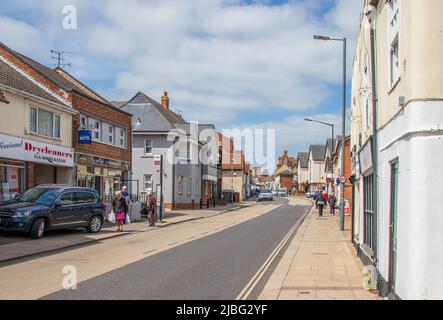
(342,203)
(326,124)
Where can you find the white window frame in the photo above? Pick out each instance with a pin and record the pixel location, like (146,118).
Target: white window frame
(394,26)
(53,114)
(145,181)
(110,134)
(151,147)
(121,133)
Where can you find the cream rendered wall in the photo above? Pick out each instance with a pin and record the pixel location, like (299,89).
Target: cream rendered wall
(14,120)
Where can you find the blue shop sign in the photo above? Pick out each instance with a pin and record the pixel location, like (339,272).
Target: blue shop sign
(84,137)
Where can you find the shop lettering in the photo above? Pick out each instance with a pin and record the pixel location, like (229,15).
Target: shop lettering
(46,150)
(10,145)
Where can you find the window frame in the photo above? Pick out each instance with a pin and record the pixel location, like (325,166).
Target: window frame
(146,147)
(36,130)
(151,181)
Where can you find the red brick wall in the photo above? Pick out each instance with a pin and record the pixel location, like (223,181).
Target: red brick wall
(102,111)
(286,182)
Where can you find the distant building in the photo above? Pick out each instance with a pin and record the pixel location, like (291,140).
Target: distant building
(303,171)
(317,179)
(286,173)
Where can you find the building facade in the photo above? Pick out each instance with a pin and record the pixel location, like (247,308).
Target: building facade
(303,171)
(316,164)
(35,130)
(397,145)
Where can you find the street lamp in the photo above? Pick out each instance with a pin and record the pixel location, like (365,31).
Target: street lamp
(342,202)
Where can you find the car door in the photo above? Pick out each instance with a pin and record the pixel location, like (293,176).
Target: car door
(84,203)
(61,214)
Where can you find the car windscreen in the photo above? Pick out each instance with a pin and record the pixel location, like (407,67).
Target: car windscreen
(40,196)
(265,191)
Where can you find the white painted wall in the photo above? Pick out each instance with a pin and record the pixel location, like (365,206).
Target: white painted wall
(420,209)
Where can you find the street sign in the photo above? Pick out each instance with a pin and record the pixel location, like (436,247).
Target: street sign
(343,180)
(157,160)
(84,137)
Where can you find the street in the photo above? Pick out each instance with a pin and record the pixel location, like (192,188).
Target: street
(213,258)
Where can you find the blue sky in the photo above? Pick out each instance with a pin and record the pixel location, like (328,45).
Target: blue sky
(234,63)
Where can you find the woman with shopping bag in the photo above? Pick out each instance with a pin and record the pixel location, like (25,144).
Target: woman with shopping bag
(120,208)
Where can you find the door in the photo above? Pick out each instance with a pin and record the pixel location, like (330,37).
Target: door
(393,227)
(61,215)
(84,204)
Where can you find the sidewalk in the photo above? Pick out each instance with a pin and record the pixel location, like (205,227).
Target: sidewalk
(319,264)
(13,247)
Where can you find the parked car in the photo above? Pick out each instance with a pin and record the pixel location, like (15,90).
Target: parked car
(50,207)
(283,192)
(265,195)
(308,194)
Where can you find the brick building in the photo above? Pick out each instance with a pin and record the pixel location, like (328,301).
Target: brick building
(286,173)
(104,163)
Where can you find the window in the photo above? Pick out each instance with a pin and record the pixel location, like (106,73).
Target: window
(56,126)
(44,123)
(148,147)
(67,199)
(83,122)
(368,207)
(148,182)
(96,129)
(84,197)
(180,185)
(33,120)
(188,150)
(121,140)
(393,38)
(110,134)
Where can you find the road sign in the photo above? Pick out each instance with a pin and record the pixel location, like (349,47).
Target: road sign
(157,160)
(343,180)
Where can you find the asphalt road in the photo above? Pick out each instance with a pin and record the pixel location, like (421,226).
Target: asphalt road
(215,267)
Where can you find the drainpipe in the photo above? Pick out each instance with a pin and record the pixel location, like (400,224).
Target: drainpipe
(371,13)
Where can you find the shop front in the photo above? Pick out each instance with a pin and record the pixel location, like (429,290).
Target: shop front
(106,176)
(26,163)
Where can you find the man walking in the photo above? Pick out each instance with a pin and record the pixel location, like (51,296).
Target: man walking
(332,203)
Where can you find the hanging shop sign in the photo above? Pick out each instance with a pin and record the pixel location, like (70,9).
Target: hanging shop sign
(102,162)
(84,137)
(33,151)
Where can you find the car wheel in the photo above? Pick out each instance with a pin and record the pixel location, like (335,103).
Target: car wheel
(95,224)
(38,229)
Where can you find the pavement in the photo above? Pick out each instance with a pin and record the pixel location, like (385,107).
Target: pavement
(16,246)
(319,264)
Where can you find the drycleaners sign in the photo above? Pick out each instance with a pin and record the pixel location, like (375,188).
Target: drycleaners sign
(28,150)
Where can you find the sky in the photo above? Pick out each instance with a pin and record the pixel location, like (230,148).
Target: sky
(234,63)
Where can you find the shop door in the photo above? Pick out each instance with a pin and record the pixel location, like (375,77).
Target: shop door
(393,227)
(99,185)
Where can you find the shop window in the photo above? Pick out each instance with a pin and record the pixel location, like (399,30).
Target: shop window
(12,180)
(44,123)
(148,147)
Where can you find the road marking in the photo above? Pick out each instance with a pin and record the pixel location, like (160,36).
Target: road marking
(260,273)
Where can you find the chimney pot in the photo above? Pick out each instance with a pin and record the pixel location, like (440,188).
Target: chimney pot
(165,100)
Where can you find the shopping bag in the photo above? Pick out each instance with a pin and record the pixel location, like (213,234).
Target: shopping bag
(111,217)
(128,219)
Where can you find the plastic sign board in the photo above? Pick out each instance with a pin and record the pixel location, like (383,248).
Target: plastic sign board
(157,160)
(84,137)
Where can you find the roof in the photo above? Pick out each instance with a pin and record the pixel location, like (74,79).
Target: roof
(3,98)
(152,115)
(59,77)
(303,159)
(13,77)
(283,171)
(318,152)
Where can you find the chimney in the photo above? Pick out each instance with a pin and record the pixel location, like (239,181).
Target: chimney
(165,100)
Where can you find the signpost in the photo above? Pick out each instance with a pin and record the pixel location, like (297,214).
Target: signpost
(158,161)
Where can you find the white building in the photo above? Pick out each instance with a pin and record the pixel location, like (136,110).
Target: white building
(398,229)
(317,176)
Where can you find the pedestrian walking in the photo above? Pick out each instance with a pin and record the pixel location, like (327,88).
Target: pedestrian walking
(125,194)
(152,210)
(321,204)
(332,203)
(120,208)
